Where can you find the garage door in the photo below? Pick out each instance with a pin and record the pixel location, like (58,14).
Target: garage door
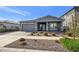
(28,27)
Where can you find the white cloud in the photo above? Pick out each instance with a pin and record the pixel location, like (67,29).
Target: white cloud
(23,13)
(3,19)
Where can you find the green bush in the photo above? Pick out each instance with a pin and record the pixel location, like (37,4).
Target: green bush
(70,44)
(12,29)
(2,29)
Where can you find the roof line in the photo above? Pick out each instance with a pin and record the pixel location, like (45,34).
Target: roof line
(67,11)
(46,16)
(42,17)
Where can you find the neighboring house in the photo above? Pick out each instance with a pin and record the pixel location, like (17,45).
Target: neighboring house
(69,17)
(8,25)
(1,26)
(46,23)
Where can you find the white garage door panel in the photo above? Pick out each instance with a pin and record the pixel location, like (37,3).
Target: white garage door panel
(28,27)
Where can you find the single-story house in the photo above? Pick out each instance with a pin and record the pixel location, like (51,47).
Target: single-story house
(46,23)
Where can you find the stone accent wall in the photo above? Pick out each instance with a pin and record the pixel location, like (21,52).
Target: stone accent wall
(77,16)
(67,19)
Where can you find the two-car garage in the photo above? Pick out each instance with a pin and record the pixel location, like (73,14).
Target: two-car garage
(28,27)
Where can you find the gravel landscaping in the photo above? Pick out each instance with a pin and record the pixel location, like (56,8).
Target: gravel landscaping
(41,33)
(37,44)
(12,42)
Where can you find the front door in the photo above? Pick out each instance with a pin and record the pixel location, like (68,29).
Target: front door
(41,26)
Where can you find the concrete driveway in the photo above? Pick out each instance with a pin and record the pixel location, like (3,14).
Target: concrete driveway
(8,38)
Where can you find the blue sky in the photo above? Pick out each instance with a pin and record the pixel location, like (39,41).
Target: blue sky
(19,13)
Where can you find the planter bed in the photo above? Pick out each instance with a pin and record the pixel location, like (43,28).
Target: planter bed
(40,33)
(39,44)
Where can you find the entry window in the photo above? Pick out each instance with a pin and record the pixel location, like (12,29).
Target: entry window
(53,26)
(40,26)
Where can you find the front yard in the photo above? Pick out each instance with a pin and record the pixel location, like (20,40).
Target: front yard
(42,43)
(37,44)
(68,43)
(38,41)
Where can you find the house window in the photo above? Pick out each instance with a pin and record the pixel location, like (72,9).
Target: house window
(42,26)
(53,26)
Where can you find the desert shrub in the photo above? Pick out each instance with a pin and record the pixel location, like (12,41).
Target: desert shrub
(21,39)
(23,44)
(53,34)
(38,34)
(45,34)
(69,34)
(34,33)
(57,41)
(41,32)
(35,40)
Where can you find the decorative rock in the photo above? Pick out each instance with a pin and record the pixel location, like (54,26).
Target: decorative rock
(21,39)
(24,44)
(57,41)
